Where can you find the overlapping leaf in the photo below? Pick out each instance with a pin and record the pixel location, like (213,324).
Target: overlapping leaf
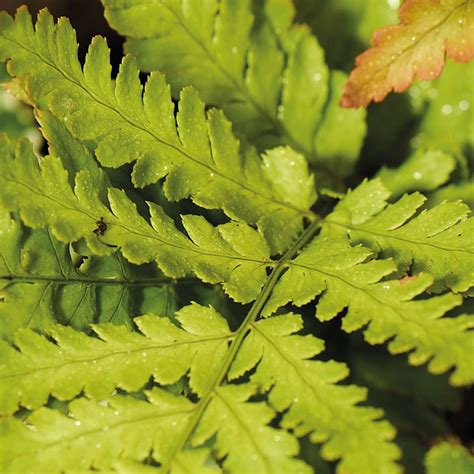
(462,191)
(449,457)
(120,358)
(306,391)
(126,359)
(70,362)
(345,278)
(428,31)
(423,171)
(96,434)
(252,391)
(107,434)
(197,153)
(43,281)
(439,241)
(233,254)
(447,120)
(253,62)
(235,422)
(344,27)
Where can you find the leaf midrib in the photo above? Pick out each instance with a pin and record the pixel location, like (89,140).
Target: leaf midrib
(191,248)
(114,354)
(239,337)
(305,213)
(415,44)
(388,235)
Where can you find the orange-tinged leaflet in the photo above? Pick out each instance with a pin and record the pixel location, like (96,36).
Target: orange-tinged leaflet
(429,30)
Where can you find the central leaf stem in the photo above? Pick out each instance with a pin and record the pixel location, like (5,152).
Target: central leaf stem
(240,335)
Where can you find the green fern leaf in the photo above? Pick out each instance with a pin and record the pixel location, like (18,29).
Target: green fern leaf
(242,427)
(232,253)
(200,349)
(424,171)
(40,287)
(119,359)
(447,123)
(439,241)
(449,457)
(254,66)
(344,278)
(306,391)
(462,191)
(96,433)
(198,155)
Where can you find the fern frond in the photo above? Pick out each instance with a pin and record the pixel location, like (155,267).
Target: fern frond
(204,349)
(439,241)
(95,434)
(242,427)
(42,281)
(253,62)
(197,153)
(306,392)
(449,456)
(233,254)
(100,434)
(447,123)
(461,191)
(121,358)
(423,171)
(345,278)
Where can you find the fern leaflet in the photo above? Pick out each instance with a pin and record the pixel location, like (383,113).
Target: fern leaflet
(255,73)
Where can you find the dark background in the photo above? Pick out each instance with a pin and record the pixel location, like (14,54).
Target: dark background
(87,18)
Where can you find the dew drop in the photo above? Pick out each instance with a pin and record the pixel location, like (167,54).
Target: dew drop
(116,413)
(277,438)
(464,105)
(447,109)
(77,423)
(317,76)
(417,175)
(234,50)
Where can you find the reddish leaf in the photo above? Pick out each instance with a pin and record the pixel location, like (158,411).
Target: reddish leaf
(428,31)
